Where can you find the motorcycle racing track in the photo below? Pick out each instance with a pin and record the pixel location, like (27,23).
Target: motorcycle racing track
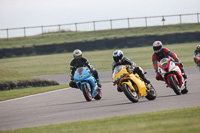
(69,104)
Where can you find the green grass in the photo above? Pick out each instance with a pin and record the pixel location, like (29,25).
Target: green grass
(10,94)
(9,75)
(55,37)
(101,60)
(12,75)
(185,120)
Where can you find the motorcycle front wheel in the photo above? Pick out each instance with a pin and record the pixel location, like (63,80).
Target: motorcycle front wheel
(130,94)
(86,92)
(174,85)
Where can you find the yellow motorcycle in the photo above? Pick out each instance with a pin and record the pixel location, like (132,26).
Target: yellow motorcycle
(132,85)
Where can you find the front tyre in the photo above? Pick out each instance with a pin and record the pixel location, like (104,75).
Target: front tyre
(174,85)
(87,93)
(130,94)
(151,93)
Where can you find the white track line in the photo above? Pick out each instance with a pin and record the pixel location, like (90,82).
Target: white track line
(34,95)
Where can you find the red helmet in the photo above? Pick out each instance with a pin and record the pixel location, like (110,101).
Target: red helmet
(157,46)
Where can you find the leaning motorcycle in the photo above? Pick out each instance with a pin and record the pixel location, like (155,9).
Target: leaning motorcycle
(132,85)
(87,84)
(197,60)
(172,76)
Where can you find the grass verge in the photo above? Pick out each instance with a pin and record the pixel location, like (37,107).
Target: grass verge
(10,94)
(12,75)
(11,79)
(101,60)
(181,120)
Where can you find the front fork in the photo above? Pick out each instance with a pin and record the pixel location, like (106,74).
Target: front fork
(93,91)
(129,84)
(180,81)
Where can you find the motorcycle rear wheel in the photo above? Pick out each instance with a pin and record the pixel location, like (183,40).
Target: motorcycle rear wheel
(87,94)
(151,93)
(174,85)
(131,95)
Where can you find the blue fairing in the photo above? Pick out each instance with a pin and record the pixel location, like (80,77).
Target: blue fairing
(83,76)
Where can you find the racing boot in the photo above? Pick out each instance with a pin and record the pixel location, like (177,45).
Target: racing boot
(184,76)
(183,73)
(98,83)
(144,79)
(147,83)
(185,90)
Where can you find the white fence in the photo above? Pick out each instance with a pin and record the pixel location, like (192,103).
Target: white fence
(102,25)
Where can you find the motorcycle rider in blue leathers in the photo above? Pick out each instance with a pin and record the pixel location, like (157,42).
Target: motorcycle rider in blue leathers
(119,59)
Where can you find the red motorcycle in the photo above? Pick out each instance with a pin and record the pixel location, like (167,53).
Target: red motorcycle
(197,60)
(172,76)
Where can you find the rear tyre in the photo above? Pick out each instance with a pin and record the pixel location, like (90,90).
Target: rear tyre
(184,91)
(151,93)
(174,85)
(87,93)
(131,95)
(99,95)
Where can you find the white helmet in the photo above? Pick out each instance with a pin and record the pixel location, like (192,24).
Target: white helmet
(77,53)
(117,55)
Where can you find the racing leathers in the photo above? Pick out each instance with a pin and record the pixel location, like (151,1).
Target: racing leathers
(165,53)
(196,58)
(126,61)
(81,62)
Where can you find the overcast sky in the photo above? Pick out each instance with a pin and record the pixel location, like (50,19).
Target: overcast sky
(25,13)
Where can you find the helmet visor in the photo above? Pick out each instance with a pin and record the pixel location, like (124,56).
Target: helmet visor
(78,57)
(157,48)
(116,59)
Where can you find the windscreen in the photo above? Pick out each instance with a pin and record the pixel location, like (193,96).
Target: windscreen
(118,69)
(163,62)
(80,70)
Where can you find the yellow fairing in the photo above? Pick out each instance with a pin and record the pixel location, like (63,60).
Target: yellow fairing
(139,85)
(123,76)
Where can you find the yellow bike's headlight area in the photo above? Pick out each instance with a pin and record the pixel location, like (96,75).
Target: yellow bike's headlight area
(118,79)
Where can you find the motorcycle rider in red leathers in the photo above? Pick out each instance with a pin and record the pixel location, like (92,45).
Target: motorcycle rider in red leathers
(196,52)
(160,53)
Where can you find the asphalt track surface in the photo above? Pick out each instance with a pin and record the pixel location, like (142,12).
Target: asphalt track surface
(69,104)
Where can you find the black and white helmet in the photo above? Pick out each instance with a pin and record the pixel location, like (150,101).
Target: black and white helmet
(117,55)
(198,47)
(77,53)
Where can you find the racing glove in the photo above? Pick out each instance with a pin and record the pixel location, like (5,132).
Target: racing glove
(72,78)
(176,60)
(156,70)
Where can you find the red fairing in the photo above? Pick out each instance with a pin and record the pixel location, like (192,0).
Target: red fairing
(180,78)
(167,81)
(197,59)
(175,78)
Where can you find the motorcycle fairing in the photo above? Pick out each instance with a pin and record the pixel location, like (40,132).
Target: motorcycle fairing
(168,67)
(121,76)
(138,83)
(82,76)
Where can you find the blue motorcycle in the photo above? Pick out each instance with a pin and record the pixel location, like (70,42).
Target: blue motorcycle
(87,84)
